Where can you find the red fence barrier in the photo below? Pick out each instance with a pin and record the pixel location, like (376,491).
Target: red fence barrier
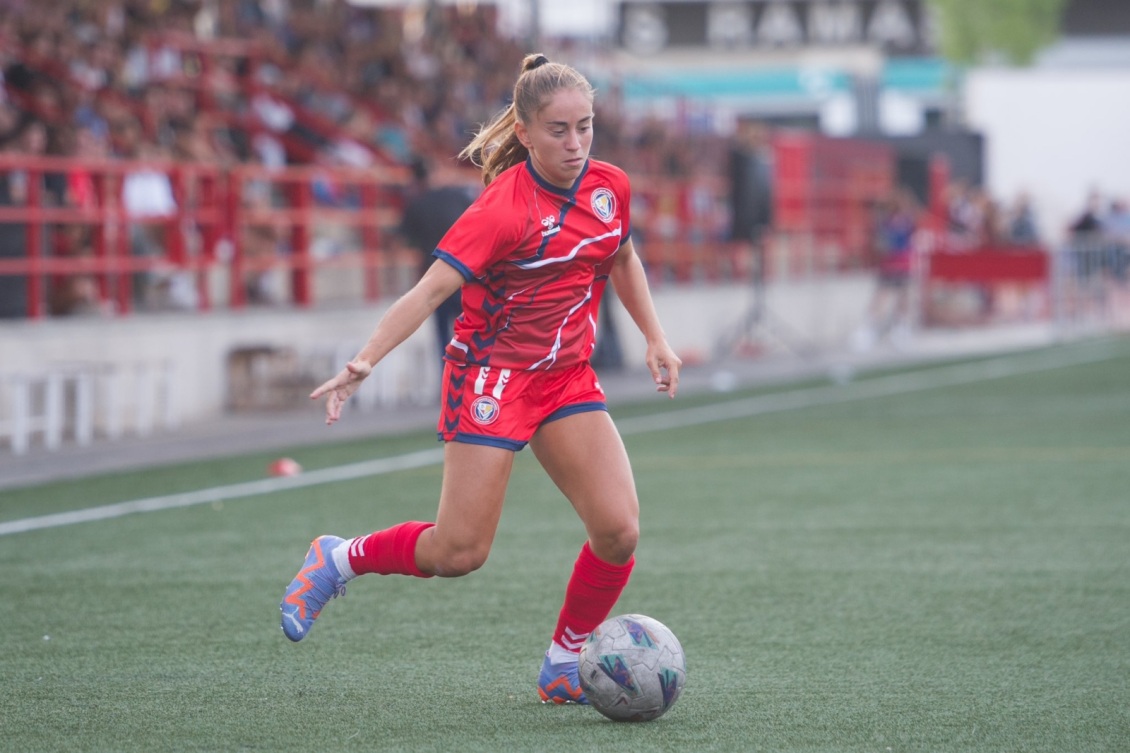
(78,217)
(367,202)
(111,223)
(210,226)
(109,226)
(827,188)
(985,284)
(1019,264)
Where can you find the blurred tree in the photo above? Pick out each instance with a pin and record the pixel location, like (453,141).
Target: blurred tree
(970,30)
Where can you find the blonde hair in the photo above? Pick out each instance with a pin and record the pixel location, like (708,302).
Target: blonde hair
(496,146)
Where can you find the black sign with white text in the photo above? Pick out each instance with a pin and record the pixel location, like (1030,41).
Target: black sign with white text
(897,26)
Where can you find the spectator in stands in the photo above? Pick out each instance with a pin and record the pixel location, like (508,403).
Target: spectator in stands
(965,215)
(388,91)
(1089,221)
(87,144)
(30,139)
(1086,246)
(394,134)
(1116,222)
(430,210)
(78,293)
(1116,228)
(1022,227)
(992,231)
(274,113)
(262,241)
(13,235)
(147,196)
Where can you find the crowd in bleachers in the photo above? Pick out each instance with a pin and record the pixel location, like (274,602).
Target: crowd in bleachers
(248,79)
(271,81)
(975,218)
(278,82)
(267,82)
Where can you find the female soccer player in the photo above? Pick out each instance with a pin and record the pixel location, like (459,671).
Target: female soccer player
(532,256)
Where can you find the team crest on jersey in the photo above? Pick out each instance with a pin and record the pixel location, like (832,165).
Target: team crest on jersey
(485,410)
(604,204)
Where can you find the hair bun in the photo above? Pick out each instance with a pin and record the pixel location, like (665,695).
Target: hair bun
(538,62)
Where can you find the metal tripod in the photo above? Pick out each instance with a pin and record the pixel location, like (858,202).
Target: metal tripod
(759,326)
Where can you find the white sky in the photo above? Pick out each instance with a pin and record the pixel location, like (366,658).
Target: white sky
(558,17)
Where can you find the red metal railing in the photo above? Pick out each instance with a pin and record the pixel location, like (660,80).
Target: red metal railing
(196,190)
(368,202)
(826,189)
(821,225)
(208,211)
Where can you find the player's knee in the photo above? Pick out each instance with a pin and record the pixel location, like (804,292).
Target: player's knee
(617,546)
(457,562)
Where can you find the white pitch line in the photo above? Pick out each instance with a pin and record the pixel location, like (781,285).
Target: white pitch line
(895,384)
(233,491)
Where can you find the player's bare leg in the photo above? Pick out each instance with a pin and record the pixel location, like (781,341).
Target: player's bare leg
(585,457)
(474,487)
(470,506)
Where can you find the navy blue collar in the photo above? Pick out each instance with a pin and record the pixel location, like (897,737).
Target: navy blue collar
(567,192)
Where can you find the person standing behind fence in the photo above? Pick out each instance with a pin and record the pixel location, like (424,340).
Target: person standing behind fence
(888,315)
(751,192)
(532,256)
(428,213)
(1022,228)
(78,293)
(1116,230)
(28,139)
(13,235)
(147,196)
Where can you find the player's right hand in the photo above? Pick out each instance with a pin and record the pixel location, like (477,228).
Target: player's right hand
(341,387)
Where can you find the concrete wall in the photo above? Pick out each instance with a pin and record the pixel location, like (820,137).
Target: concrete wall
(1052,133)
(194,350)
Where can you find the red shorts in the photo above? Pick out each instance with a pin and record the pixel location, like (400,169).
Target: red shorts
(503,408)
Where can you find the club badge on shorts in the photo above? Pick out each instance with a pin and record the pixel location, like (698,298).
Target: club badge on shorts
(485,410)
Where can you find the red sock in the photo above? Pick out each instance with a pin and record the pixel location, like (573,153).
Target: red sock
(388,552)
(592,592)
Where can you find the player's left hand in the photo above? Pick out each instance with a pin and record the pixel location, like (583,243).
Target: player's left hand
(664,366)
(341,387)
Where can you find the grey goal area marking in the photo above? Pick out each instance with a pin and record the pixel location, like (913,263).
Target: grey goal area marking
(866,389)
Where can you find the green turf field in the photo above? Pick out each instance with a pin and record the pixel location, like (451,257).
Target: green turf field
(937,561)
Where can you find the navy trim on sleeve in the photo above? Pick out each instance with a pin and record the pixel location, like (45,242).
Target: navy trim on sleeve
(460,267)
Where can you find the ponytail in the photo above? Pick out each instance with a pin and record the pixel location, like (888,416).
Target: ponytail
(496,146)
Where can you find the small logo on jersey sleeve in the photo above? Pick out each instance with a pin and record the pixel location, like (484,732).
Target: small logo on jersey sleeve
(604,204)
(485,410)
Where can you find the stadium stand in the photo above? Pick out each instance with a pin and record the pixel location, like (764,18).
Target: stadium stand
(191,156)
(283,132)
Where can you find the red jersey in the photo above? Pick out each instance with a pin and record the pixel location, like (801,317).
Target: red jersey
(536,259)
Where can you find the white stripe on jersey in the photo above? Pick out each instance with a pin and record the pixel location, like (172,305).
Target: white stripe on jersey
(535,264)
(552,356)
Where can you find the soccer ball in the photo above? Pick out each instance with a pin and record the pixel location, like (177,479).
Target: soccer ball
(632,668)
